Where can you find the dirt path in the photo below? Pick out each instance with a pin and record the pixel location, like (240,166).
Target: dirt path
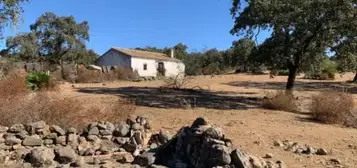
(232,103)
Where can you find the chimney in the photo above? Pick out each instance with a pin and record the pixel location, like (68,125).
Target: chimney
(172,53)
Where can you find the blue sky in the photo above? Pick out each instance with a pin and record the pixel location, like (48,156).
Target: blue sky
(200,24)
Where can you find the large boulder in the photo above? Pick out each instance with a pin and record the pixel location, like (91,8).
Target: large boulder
(65,155)
(121,130)
(58,130)
(12,140)
(41,157)
(32,141)
(16,128)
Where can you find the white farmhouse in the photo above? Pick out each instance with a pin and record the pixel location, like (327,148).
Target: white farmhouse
(147,64)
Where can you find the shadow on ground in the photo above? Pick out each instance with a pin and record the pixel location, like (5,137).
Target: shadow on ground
(299,85)
(174,98)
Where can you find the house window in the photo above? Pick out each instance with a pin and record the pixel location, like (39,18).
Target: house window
(145,66)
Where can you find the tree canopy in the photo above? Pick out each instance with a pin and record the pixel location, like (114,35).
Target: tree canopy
(302,30)
(55,39)
(10,13)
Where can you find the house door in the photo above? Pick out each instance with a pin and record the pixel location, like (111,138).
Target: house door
(161,69)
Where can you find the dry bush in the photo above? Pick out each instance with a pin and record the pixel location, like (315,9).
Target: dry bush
(280,100)
(67,112)
(88,76)
(13,85)
(334,108)
(177,82)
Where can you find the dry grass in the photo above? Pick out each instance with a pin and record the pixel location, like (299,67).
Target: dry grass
(13,85)
(334,108)
(280,100)
(18,105)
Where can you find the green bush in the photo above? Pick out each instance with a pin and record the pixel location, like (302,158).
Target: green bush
(36,80)
(326,71)
(283,72)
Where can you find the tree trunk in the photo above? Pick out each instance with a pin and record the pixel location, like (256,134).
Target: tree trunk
(355,78)
(291,78)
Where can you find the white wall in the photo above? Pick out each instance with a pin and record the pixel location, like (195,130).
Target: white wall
(138,64)
(114,58)
(174,68)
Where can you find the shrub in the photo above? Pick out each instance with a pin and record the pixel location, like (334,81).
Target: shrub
(88,76)
(333,108)
(177,82)
(326,71)
(63,112)
(13,85)
(280,101)
(36,80)
(282,72)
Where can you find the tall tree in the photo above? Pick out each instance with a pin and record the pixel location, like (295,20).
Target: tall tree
(10,11)
(24,46)
(301,29)
(60,37)
(346,56)
(242,50)
(180,51)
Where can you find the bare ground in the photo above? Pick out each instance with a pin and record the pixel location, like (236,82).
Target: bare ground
(232,102)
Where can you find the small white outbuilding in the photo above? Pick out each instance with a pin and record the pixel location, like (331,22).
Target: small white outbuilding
(145,63)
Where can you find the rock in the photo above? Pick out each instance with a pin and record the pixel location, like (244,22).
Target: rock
(71,130)
(214,132)
(120,140)
(105,132)
(52,136)
(72,140)
(145,159)
(80,162)
(12,140)
(122,130)
(299,151)
(93,139)
(130,147)
(20,153)
(102,126)
(321,151)
(91,125)
(33,127)
(97,161)
(268,156)
(107,137)
(93,131)
(199,122)
(278,143)
(22,135)
(16,128)
(3,129)
(335,161)
(61,140)
(65,155)
(41,157)
(309,151)
(147,125)
(82,139)
(32,141)
(137,127)
(107,147)
(48,142)
(131,120)
(138,137)
(123,157)
(240,159)
(58,130)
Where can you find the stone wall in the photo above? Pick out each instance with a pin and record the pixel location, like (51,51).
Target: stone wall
(126,144)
